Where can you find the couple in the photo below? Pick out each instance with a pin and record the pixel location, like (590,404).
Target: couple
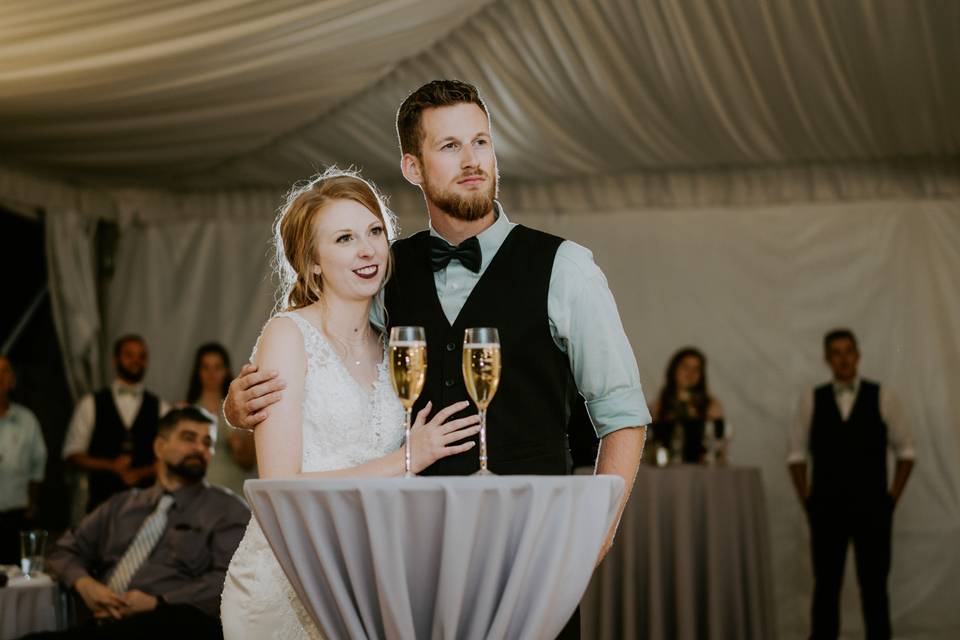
(318,392)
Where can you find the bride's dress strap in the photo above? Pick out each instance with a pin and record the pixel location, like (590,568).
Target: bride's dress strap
(314,342)
(305,327)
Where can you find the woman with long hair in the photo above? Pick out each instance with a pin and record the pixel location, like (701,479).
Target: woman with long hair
(688,422)
(234,459)
(338,415)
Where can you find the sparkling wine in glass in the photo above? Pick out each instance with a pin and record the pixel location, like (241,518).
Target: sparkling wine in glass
(408,371)
(481,374)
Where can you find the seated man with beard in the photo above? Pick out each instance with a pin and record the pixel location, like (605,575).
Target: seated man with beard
(151,562)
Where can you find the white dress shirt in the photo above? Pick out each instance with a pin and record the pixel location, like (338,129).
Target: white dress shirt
(898,434)
(127,398)
(23,456)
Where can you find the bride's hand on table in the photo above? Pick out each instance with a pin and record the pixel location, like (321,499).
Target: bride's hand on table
(434,439)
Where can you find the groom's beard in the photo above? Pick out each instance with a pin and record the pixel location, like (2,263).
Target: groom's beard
(471,207)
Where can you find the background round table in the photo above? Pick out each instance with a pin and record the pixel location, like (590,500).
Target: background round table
(691,560)
(443,557)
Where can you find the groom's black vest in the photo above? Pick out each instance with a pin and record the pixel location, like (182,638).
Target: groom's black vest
(527,419)
(849,456)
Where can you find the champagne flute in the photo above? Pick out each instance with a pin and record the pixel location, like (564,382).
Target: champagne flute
(408,371)
(481,373)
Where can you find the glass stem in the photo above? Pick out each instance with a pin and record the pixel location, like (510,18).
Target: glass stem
(483,441)
(406,443)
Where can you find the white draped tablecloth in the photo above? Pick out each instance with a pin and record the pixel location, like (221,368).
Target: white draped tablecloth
(443,557)
(28,605)
(691,560)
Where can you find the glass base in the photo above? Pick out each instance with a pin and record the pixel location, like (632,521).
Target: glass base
(484,472)
(409,474)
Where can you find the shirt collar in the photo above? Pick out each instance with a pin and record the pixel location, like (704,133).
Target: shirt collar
(840,387)
(117,385)
(490,238)
(182,497)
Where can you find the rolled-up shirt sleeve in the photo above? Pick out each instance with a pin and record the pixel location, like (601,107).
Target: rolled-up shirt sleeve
(37,453)
(585,323)
(800,430)
(80,430)
(899,438)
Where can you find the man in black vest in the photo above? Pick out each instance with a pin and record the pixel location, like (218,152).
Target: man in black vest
(559,328)
(112,431)
(845,427)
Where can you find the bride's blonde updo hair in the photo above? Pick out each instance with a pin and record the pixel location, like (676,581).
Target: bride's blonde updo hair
(293,232)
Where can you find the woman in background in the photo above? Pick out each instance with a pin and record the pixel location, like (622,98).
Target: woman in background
(235,458)
(688,421)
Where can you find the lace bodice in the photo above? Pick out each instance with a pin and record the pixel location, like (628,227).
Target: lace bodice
(344,425)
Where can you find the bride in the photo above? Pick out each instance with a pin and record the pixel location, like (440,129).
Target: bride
(338,416)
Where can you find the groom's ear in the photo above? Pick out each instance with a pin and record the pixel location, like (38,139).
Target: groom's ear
(412,169)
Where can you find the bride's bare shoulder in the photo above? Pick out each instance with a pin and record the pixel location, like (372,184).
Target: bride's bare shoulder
(281,340)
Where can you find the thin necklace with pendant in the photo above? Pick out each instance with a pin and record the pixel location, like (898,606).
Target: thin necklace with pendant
(346,345)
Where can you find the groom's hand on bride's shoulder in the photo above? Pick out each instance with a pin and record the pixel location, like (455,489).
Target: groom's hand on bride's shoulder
(250,395)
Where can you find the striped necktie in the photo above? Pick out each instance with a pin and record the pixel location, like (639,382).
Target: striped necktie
(143,543)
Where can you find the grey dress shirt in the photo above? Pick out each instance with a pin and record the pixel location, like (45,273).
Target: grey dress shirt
(189,562)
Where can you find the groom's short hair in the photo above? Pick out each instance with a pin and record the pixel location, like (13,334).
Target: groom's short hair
(437,93)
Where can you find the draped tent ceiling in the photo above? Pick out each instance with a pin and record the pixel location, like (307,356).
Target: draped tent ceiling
(749,173)
(239,93)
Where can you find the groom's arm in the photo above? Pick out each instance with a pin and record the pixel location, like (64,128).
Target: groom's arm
(250,395)
(619,454)
(585,323)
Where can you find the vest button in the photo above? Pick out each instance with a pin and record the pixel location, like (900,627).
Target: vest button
(448,383)
(451,346)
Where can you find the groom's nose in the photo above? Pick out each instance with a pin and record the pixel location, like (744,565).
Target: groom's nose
(468,157)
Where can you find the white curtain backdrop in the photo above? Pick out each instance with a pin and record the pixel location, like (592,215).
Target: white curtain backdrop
(189,282)
(756,287)
(69,239)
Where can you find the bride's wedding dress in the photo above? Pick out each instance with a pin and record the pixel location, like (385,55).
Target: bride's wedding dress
(344,425)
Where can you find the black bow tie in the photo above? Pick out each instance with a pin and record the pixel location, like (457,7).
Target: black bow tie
(467,252)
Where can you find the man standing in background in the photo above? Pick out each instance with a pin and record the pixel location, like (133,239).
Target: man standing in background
(111,433)
(846,426)
(23,459)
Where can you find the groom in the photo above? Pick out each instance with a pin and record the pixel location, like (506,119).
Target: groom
(559,327)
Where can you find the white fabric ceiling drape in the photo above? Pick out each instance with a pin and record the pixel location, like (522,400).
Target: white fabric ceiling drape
(144,91)
(242,93)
